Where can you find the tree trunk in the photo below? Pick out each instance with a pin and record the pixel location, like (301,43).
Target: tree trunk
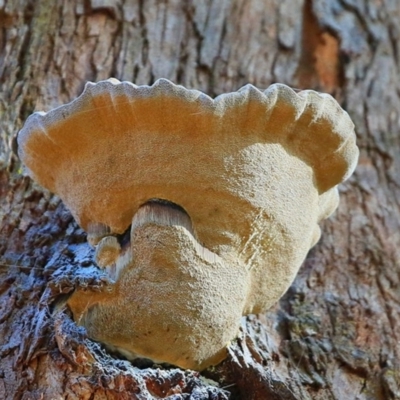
(336,333)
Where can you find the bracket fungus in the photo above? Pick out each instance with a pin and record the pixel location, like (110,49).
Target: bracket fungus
(202,209)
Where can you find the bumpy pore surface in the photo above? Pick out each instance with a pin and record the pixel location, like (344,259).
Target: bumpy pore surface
(255,172)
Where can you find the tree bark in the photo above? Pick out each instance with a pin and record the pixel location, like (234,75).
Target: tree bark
(336,333)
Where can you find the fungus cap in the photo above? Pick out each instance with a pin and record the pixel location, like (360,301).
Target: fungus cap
(91,151)
(223,197)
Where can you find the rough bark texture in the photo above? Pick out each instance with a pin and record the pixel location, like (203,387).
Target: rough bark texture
(336,333)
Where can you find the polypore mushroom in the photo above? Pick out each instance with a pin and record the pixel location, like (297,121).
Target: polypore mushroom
(221,200)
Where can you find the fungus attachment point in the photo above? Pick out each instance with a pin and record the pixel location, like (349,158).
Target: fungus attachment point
(253,174)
